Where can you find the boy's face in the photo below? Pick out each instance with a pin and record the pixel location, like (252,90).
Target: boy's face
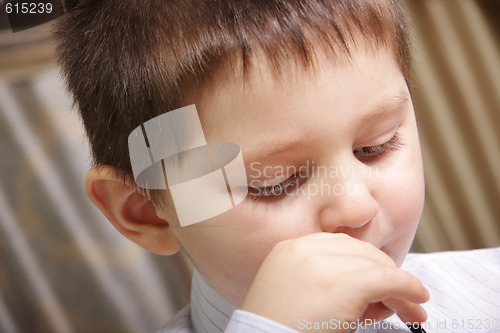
(318,123)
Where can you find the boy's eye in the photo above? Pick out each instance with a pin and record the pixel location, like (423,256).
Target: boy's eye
(372,152)
(277,191)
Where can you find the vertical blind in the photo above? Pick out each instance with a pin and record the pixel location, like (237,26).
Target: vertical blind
(65,269)
(456,95)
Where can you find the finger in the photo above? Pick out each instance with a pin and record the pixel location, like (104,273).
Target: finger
(376,312)
(342,244)
(407,311)
(380,283)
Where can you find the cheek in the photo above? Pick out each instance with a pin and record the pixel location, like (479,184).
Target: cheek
(403,201)
(265,225)
(248,232)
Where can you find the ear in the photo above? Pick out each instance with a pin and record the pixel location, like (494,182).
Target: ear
(131,213)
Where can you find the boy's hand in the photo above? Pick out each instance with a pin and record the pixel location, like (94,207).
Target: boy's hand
(333,278)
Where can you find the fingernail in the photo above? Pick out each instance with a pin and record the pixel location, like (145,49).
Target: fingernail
(424,313)
(427,294)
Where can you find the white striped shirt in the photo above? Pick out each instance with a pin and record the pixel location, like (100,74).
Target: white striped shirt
(464,288)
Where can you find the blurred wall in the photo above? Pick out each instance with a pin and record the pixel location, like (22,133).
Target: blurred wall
(65,269)
(456,93)
(63,266)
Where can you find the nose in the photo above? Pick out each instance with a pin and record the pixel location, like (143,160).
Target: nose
(350,203)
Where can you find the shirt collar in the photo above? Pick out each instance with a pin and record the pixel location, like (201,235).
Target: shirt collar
(210,311)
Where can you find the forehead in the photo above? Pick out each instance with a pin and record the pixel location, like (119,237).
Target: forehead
(300,100)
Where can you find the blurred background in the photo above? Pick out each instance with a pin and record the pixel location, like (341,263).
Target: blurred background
(64,269)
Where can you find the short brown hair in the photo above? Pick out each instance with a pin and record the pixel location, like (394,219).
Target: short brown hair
(127,61)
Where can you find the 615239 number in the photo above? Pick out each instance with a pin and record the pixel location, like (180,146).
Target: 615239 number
(29,8)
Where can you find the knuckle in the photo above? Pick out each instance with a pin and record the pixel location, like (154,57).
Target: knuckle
(318,269)
(315,263)
(398,278)
(340,235)
(279,246)
(388,274)
(290,247)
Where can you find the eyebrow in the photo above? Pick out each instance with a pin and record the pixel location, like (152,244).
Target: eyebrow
(389,105)
(267,149)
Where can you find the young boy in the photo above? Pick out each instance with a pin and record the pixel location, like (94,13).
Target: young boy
(315,93)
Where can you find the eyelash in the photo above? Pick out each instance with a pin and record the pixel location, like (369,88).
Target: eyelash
(277,191)
(371,153)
